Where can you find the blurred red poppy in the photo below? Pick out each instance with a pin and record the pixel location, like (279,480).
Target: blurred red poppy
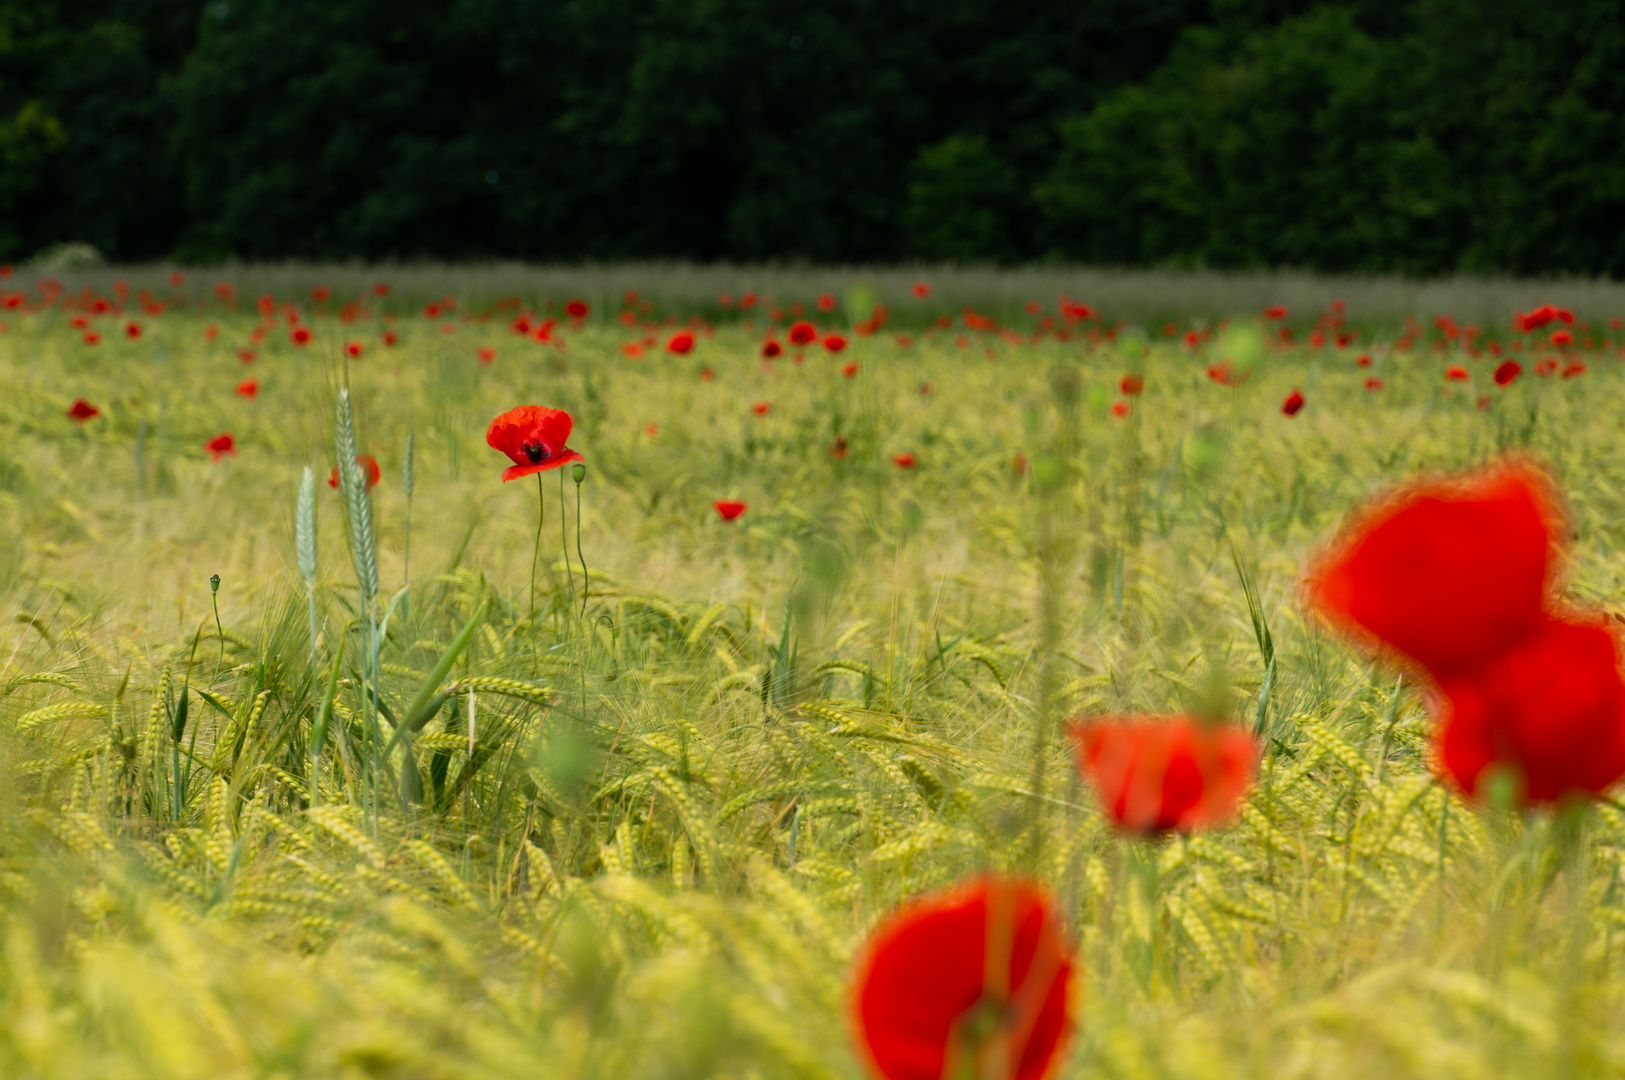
(802,334)
(681,343)
(706,374)
(1445,572)
(1226,374)
(353,350)
(577,309)
(533,438)
(771,349)
(1573,369)
(1292,404)
(487,354)
(92,338)
(301,336)
(175,278)
(1363,360)
(921,290)
(903,461)
(849,369)
(826,302)
(245,355)
(760,408)
(1121,409)
(1456,373)
(390,337)
(82,410)
(1131,385)
(211,332)
(221,445)
(1562,339)
(1549,711)
(248,388)
(132,330)
(1161,773)
(837,449)
(369,466)
(834,342)
(926,389)
(380,289)
(1276,313)
(1373,384)
(971,982)
(728,509)
(1507,371)
(320,294)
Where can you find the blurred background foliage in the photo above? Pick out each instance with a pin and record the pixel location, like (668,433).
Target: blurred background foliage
(1412,136)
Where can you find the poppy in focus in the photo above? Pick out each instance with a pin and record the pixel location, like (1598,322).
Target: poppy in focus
(82,410)
(1163,773)
(972,981)
(728,509)
(533,438)
(221,445)
(1292,404)
(369,466)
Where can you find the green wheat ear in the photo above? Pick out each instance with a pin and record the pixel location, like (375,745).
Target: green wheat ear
(305,528)
(357,504)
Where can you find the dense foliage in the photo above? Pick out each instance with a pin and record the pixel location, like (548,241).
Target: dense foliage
(1422,136)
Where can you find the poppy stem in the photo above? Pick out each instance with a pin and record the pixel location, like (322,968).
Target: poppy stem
(586,582)
(564,543)
(536,552)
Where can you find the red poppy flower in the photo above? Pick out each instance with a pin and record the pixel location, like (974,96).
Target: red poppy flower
(834,342)
(1292,404)
(1131,385)
(748,300)
(380,289)
(1363,360)
(390,337)
(1373,385)
(368,464)
(221,445)
(211,332)
(1020,465)
(577,309)
(837,449)
(1573,369)
(1120,409)
(728,509)
(82,410)
(132,330)
(1545,367)
(353,350)
(487,354)
(1507,371)
(1456,373)
(802,334)
(1158,773)
(651,430)
(826,302)
(431,311)
(903,461)
(1276,313)
(534,438)
(921,290)
(1226,374)
(771,349)
(973,981)
(726,300)
(301,336)
(926,389)
(1446,572)
(92,338)
(849,369)
(681,343)
(1550,710)
(320,294)
(248,388)
(706,374)
(760,408)
(246,355)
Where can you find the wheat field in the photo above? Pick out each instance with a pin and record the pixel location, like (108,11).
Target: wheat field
(654,800)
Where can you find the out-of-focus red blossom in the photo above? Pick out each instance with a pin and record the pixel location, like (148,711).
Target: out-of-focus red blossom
(921,290)
(849,369)
(82,410)
(771,349)
(1444,572)
(577,309)
(1541,316)
(248,388)
(1227,374)
(1549,709)
(390,337)
(369,466)
(926,389)
(681,343)
(1562,339)
(826,302)
(1373,384)
(1545,367)
(1121,409)
(1275,314)
(1456,373)
(487,354)
(211,332)
(301,336)
(1506,371)
(904,460)
(834,342)
(1363,360)
(1161,773)
(837,449)
(221,445)
(132,330)
(802,334)
(1020,465)
(320,294)
(706,374)
(1573,369)
(970,982)
(381,289)
(1131,385)
(245,355)
(651,430)
(1293,403)
(761,408)
(728,509)
(534,439)
(92,338)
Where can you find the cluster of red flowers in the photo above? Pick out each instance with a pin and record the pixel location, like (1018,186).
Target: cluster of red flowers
(1456,580)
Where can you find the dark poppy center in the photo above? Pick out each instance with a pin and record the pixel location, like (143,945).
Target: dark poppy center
(536,452)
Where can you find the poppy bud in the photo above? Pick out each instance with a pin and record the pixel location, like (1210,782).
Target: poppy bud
(579,471)
(214,583)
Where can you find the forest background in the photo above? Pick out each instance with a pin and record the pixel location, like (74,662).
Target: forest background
(1421,137)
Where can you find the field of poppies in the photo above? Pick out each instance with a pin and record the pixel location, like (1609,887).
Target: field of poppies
(666,673)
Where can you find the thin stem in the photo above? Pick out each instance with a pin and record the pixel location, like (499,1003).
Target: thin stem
(564,542)
(536,552)
(406,559)
(214,598)
(586,582)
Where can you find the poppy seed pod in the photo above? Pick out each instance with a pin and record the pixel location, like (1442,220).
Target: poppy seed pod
(578,471)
